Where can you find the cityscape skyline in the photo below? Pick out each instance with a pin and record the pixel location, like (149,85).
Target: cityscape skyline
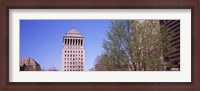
(42,39)
(104,46)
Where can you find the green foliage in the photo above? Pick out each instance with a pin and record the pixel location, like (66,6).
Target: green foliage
(116,56)
(135,45)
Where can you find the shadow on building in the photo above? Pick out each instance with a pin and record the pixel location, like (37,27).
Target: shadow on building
(173,29)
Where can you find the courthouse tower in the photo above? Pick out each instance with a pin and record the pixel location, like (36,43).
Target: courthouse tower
(73,52)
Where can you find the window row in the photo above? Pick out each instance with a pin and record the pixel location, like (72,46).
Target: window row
(73,41)
(175,43)
(174,29)
(73,51)
(175,56)
(70,55)
(74,66)
(175,39)
(175,52)
(73,62)
(172,23)
(22,62)
(176,35)
(168,22)
(73,59)
(73,70)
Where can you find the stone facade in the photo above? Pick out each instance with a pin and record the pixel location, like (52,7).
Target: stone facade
(73,52)
(29,64)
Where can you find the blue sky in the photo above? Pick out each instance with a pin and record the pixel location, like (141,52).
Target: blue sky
(42,39)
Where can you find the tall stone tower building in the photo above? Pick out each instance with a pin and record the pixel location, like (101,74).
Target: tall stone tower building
(73,52)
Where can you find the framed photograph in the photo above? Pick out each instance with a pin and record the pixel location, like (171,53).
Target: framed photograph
(100,45)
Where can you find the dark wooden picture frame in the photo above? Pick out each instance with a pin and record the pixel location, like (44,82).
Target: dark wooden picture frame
(100,4)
